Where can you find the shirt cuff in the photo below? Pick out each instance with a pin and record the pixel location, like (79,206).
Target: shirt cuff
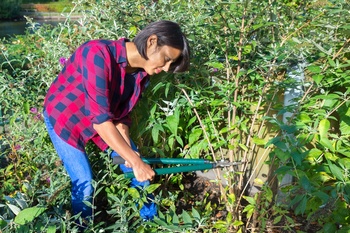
(125,120)
(101,118)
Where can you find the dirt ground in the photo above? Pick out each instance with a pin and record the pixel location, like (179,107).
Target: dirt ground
(201,188)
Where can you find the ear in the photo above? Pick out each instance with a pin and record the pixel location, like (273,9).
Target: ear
(152,41)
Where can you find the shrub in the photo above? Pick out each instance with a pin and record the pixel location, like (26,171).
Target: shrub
(228,106)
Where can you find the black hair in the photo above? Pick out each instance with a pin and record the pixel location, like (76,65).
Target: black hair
(170,34)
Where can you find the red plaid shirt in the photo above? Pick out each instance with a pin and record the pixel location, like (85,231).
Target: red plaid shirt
(93,87)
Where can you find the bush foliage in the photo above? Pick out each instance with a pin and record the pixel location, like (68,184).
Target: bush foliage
(268,85)
(10,9)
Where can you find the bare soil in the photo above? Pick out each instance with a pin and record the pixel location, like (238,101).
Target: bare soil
(196,189)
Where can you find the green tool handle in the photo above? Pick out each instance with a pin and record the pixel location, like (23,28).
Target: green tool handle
(120,160)
(171,170)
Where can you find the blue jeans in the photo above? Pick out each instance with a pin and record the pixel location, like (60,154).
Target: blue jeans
(78,167)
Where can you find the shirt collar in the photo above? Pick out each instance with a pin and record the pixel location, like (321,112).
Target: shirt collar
(122,58)
(122,52)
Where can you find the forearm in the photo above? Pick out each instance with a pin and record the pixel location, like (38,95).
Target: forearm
(117,138)
(124,132)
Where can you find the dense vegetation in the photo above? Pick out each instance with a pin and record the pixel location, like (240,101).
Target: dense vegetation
(14,9)
(10,9)
(249,56)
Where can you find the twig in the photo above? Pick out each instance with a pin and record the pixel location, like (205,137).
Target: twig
(301,27)
(200,122)
(208,140)
(216,133)
(341,49)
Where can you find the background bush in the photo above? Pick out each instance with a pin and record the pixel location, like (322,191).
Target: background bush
(228,106)
(10,9)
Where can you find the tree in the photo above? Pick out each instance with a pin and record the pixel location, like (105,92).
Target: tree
(10,9)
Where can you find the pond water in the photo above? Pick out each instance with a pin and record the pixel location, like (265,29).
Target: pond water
(11,28)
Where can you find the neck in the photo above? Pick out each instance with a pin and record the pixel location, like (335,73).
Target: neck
(135,61)
(130,70)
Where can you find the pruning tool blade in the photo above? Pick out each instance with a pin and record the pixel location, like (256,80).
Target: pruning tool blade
(225,163)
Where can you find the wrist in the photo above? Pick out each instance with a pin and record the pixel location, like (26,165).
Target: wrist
(136,160)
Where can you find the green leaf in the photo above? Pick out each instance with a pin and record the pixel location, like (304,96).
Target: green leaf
(259,141)
(344,113)
(277,219)
(249,209)
(296,200)
(344,163)
(331,62)
(282,155)
(251,200)
(330,103)
(220,224)
(26,107)
(176,220)
(297,157)
(284,170)
(268,195)
(151,188)
(179,140)
(231,198)
(314,153)
(305,183)
(216,65)
(301,207)
(3,223)
(244,127)
(171,141)
(155,89)
(327,143)
(194,136)
(264,24)
(237,223)
(172,123)
(195,214)
(330,96)
(243,146)
(323,128)
(323,177)
(303,117)
(191,121)
(331,156)
(290,129)
(14,209)
(187,218)
(51,229)
(160,222)
(28,215)
(314,69)
(155,132)
(134,193)
(277,141)
(324,197)
(133,30)
(344,152)
(336,171)
(329,227)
